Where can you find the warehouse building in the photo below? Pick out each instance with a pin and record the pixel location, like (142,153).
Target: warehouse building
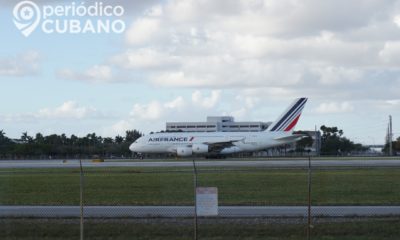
(217,124)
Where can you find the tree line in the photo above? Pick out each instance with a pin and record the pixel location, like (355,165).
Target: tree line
(395,147)
(62,146)
(332,142)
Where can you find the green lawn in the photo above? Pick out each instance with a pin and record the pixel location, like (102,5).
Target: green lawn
(135,186)
(29,229)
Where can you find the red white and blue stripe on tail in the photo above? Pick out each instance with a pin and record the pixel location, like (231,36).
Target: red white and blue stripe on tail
(288,120)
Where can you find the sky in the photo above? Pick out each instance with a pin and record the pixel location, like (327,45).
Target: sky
(184,60)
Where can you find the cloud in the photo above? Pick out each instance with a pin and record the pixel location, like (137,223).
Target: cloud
(250,101)
(151,111)
(142,31)
(334,107)
(21,65)
(119,128)
(288,48)
(296,47)
(206,102)
(132,7)
(181,79)
(390,106)
(155,110)
(67,110)
(151,116)
(390,54)
(330,75)
(144,58)
(96,73)
(393,102)
(240,113)
(192,44)
(279,18)
(11,3)
(177,104)
(257,54)
(136,7)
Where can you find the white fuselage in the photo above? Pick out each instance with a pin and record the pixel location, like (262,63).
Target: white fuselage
(240,141)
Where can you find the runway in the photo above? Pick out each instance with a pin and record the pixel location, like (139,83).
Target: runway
(7,164)
(188,211)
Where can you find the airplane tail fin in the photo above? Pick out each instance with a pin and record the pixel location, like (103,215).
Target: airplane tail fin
(288,120)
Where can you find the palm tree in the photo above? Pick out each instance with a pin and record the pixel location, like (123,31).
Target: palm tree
(26,138)
(119,139)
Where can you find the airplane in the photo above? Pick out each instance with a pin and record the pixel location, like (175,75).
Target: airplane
(185,144)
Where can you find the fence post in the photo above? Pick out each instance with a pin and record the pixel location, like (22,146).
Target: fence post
(81,198)
(195,198)
(309,226)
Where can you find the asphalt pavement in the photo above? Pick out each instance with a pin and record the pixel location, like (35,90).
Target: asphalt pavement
(185,163)
(188,211)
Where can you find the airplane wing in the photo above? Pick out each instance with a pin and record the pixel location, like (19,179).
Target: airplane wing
(291,138)
(216,147)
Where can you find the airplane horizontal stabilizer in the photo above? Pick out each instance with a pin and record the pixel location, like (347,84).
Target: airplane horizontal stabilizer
(291,138)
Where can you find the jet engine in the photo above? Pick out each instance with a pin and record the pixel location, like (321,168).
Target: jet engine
(200,148)
(184,151)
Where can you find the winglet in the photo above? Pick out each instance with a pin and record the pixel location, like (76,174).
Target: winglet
(288,120)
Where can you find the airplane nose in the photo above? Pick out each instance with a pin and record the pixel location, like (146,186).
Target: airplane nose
(132,147)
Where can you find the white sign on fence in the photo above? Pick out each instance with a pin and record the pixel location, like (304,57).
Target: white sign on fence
(207,201)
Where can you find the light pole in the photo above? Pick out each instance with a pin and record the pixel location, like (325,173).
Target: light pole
(372,149)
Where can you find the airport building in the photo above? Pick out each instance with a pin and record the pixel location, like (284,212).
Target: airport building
(217,124)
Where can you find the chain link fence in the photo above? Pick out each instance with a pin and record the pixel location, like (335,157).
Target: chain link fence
(153,202)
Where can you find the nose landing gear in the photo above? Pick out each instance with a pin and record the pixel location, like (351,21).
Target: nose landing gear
(138,155)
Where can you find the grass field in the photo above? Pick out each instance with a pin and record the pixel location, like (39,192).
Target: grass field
(62,229)
(135,186)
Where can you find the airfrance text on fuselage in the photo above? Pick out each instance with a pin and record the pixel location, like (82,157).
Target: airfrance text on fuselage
(169,139)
